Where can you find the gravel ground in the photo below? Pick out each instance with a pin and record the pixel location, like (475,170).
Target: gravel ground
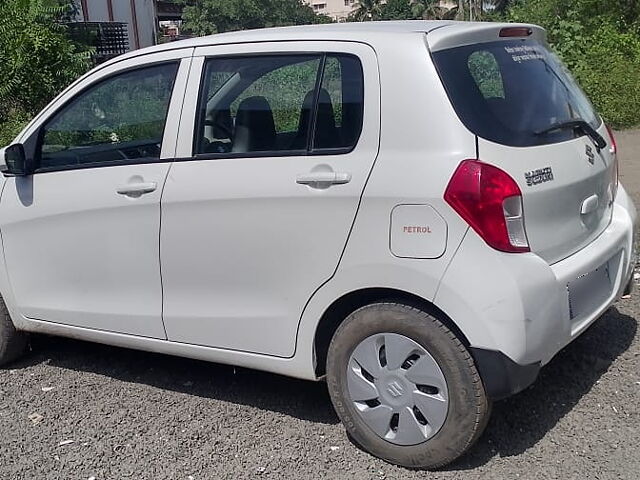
(73,410)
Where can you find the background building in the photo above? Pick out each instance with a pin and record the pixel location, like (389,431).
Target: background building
(113,27)
(340,9)
(139,16)
(336,9)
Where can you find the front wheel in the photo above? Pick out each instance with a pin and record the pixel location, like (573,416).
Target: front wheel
(405,387)
(12,342)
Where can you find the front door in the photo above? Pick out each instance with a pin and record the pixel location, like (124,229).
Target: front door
(81,234)
(255,219)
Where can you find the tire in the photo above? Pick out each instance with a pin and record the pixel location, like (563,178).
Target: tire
(12,342)
(434,434)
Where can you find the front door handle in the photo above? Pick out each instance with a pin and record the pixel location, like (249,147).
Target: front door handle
(323,179)
(138,188)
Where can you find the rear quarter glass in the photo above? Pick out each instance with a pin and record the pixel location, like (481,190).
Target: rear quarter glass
(510,90)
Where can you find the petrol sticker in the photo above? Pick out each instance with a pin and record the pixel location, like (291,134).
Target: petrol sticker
(541,175)
(407,229)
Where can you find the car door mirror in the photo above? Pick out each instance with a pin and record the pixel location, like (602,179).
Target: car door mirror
(13,161)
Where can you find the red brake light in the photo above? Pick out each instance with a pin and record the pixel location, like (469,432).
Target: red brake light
(615,181)
(516,32)
(490,201)
(614,144)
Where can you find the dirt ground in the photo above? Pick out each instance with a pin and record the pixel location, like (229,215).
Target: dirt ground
(629,146)
(73,410)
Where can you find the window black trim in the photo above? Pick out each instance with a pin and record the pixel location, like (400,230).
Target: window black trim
(198,130)
(199,157)
(116,163)
(231,155)
(37,154)
(270,153)
(311,129)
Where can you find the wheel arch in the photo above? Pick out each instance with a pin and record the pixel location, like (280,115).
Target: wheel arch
(348,303)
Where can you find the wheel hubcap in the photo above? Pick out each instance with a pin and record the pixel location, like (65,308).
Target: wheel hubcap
(397,388)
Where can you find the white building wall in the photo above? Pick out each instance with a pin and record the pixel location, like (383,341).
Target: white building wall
(337,9)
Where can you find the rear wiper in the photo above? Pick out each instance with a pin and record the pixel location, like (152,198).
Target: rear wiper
(576,125)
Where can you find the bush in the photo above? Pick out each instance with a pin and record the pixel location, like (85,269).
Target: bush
(218,16)
(609,72)
(15,122)
(599,42)
(38,59)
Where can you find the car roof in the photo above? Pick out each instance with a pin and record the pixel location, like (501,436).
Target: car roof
(366,32)
(357,31)
(344,28)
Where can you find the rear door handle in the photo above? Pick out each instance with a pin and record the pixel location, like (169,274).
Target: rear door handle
(137,189)
(323,178)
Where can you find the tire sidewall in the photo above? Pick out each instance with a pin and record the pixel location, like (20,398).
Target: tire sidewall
(465,392)
(12,342)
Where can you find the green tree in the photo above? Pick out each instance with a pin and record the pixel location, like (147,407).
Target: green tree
(498,5)
(431,10)
(590,14)
(600,43)
(206,17)
(38,59)
(397,10)
(366,10)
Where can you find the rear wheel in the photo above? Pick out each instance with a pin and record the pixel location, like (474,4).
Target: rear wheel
(12,342)
(405,387)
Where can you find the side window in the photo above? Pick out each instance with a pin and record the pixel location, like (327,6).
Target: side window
(340,104)
(272,104)
(289,91)
(485,71)
(119,119)
(257,104)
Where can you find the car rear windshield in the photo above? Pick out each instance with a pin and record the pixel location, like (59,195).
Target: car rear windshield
(511,92)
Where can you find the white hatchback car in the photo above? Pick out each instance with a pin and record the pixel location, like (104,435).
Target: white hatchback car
(423,213)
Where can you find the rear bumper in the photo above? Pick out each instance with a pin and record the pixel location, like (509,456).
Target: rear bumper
(518,312)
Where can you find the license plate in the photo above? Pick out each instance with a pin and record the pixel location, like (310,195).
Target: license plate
(589,291)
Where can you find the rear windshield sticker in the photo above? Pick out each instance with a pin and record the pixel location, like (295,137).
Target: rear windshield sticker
(525,53)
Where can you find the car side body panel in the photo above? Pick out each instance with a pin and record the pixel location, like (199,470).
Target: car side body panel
(515,304)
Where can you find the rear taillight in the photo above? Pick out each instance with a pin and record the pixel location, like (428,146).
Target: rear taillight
(490,201)
(616,173)
(614,144)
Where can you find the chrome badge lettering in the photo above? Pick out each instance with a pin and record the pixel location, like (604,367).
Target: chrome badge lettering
(536,177)
(591,157)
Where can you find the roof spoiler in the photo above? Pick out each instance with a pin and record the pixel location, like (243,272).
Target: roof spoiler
(463,33)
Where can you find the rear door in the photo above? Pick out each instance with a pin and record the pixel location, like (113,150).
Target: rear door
(276,149)
(511,92)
